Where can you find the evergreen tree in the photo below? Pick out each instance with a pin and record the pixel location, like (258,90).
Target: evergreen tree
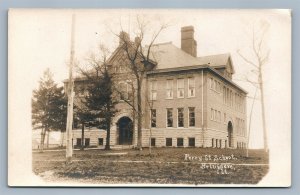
(83,116)
(48,107)
(101,103)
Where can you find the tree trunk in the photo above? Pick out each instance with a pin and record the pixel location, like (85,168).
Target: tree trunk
(48,137)
(263,110)
(107,145)
(62,138)
(43,132)
(250,121)
(82,136)
(139,105)
(150,146)
(108,120)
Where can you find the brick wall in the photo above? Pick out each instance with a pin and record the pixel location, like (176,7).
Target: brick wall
(213,130)
(218,129)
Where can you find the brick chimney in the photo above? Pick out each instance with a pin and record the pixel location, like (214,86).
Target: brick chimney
(188,43)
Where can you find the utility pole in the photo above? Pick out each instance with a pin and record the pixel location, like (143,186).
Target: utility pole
(69,144)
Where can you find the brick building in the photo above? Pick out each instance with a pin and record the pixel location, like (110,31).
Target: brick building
(188,101)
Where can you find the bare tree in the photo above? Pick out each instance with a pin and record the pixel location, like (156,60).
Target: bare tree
(250,121)
(139,61)
(260,56)
(99,102)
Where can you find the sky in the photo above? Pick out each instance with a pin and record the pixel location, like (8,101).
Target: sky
(40,39)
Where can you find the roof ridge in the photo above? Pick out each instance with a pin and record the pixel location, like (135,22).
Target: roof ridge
(227,53)
(163,43)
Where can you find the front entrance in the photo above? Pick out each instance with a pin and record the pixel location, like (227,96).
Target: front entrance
(125,129)
(229,129)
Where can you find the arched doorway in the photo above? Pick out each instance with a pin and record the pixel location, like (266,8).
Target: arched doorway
(230,130)
(125,129)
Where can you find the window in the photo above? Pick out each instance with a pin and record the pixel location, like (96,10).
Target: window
(231,98)
(237,125)
(212,142)
(219,114)
(121,69)
(243,104)
(78,142)
(153,90)
(212,114)
(191,142)
(123,91)
(216,143)
(191,117)
(180,117)
(169,117)
(191,85)
(224,118)
(87,142)
(211,83)
(169,89)
(180,88)
(179,142)
(243,128)
(116,69)
(168,141)
(220,145)
(129,90)
(215,115)
(100,141)
(235,100)
(152,141)
(153,117)
(227,96)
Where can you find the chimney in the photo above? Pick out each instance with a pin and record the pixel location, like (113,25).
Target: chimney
(124,36)
(188,43)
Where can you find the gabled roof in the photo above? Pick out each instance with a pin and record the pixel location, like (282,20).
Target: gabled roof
(168,55)
(215,60)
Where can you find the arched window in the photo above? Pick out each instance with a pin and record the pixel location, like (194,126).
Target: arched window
(125,90)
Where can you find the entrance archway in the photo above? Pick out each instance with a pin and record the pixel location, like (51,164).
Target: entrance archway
(230,132)
(125,130)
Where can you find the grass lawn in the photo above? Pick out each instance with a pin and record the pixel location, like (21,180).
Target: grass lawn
(163,166)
